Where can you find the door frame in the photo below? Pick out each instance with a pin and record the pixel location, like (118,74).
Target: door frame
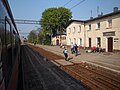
(90,42)
(110,44)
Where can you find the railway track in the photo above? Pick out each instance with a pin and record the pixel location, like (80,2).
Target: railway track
(95,77)
(40,74)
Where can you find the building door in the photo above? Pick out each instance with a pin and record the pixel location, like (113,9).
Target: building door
(57,42)
(89,42)
(79,41)
(99,41)
(110,44)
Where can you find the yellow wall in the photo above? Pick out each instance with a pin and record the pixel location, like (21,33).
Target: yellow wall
(95,33)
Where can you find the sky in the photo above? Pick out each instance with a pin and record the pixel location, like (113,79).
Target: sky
(33,9)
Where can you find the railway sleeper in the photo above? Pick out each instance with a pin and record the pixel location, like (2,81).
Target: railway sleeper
(103,74)
(83,79)
(115,83)
(108,84)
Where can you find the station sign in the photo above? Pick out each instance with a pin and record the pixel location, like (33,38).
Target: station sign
(108,33)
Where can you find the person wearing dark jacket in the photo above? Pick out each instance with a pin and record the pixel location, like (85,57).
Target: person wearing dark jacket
(65,54)
(76,49)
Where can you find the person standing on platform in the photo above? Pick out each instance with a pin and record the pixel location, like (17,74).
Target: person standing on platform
(65,54)
(76,49)
(72,48)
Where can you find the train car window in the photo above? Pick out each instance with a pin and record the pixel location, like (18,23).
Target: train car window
(0,48)
(13,46)
(1,73)
(13,39)
(7,32)
(16,39)
(9,55)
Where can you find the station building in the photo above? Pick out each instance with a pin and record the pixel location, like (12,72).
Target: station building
(59,39)
(102,31)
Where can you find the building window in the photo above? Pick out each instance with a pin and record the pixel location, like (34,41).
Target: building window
(69,41)
(80,41)
(89,27)
(57,36)
(98,42)
(73,29)
(63,38)
(69,30)
(74,41)
(79,29)
(98,25)
(109,23)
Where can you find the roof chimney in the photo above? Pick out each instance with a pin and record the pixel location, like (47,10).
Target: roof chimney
(115,9)
(99,15)
(91,17)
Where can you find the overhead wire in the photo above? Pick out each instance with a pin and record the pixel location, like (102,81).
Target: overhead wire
(67,3)
(77,4)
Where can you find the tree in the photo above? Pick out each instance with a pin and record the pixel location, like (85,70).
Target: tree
(32,37)
(55,19)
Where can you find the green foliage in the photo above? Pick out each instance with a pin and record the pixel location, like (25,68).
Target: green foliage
(40,37)
(32,37)
(47,41)
(52,18)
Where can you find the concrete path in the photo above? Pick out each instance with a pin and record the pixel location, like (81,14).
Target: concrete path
(109,61)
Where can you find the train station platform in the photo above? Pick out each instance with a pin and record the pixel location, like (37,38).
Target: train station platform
(107,60)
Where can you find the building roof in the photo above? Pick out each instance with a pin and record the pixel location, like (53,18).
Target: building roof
(103,16)
(92,19)
(74,21)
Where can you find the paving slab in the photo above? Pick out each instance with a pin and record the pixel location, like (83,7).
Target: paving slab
(55,63)
(63,62)
(75,61)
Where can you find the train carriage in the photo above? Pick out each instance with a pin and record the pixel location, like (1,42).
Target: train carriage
(9,48)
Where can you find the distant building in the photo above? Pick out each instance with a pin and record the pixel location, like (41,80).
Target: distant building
(59,39)
(103,30)
(75,33)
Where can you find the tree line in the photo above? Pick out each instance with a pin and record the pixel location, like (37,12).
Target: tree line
(52,22)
